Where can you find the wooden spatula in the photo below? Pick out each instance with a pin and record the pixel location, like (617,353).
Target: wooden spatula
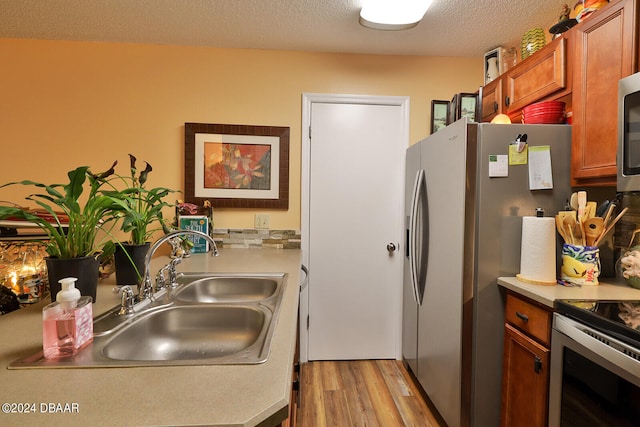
(593,229)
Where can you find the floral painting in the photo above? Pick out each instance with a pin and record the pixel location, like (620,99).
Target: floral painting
(237,166)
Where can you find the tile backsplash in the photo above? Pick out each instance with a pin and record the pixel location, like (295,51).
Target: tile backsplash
(256,238)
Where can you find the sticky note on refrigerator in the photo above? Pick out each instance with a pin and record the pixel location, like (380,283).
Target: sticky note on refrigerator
(498,165)
(518,157)
(540,174)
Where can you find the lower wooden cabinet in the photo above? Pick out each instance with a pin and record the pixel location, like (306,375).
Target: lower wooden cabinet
(525,381)
(525,374)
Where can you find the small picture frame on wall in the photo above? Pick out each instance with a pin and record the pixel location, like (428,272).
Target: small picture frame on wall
(452,113)
(463,105)
(492,65)
(468,106)
(439,112)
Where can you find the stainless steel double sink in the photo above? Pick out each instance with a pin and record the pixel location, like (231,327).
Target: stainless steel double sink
(209,319)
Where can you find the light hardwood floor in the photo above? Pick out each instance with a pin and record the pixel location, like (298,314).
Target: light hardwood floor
(361,393)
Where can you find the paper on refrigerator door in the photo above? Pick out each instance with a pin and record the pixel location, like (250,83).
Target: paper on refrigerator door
(498,165)
(540,175)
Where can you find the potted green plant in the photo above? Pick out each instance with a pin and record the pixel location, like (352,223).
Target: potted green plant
(140,210)
(72,223)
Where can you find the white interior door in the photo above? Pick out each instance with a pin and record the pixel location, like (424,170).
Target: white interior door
(355,196)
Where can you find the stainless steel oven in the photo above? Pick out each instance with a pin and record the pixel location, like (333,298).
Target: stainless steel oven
(595,364)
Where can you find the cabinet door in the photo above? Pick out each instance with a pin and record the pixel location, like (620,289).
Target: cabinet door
(540,75)
(525,381)
(604,53)
(491,100)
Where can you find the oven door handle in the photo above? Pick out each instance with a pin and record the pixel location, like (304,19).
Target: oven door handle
(616,356)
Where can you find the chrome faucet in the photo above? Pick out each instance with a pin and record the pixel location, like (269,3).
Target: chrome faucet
(146,287)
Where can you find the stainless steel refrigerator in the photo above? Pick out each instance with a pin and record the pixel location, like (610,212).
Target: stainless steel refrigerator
(463,231)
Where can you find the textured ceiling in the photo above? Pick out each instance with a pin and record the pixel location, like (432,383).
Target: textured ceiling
(450,27)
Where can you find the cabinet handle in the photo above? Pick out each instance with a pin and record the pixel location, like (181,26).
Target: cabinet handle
(537,365)
(495,107)
(522,316)
(506,101)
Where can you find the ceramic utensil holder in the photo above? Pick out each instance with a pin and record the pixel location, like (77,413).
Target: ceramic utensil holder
(580,264)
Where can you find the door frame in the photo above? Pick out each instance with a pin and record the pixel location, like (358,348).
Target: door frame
(308,99)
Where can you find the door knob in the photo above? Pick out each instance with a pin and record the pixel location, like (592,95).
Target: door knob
(391,247)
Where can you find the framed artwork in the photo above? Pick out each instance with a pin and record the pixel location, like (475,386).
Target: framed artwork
(452,112)
(236,166)
(463,105)
(469,106)
(439,112)
(492,65)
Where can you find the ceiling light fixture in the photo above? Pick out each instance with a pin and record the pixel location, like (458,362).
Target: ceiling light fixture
(393,14)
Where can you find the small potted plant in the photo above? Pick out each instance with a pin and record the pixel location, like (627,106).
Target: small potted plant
(140,210)
(72,222)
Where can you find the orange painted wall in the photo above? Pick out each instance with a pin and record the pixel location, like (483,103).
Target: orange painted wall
(66,104)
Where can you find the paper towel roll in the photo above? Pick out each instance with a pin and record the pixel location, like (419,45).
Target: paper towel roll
(538,251)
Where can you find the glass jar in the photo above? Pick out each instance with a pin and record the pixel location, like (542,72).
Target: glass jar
(509,59)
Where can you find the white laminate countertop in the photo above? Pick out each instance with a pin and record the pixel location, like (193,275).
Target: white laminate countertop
(548,294)
(223,395)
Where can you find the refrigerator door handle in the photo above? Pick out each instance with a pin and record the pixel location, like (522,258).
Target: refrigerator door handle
(422,237)
(413,235)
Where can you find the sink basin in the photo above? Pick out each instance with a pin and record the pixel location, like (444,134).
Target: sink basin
(209,319)
(188,333)
(227,289)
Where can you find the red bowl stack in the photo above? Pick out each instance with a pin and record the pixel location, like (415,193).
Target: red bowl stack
(548,112)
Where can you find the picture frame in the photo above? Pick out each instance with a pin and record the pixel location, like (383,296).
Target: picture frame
(236,166)
(468,106)
(452,114)
(492,65)
(439,113)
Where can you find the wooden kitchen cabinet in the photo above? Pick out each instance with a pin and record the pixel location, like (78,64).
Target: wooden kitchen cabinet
(542,76)
(525,376)
(491,102)
(605,51)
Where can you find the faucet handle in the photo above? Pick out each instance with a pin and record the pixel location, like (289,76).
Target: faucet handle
(173,276)
(161,282)
(127,301)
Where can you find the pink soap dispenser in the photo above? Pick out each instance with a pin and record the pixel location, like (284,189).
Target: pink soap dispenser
(67,324)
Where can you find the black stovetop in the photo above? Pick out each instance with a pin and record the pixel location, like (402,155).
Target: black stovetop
(619,319)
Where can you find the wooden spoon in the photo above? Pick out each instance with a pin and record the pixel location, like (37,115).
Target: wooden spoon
(593,229)
(573,201)
(582,204)
(610,226)
(569,224)
(560,228)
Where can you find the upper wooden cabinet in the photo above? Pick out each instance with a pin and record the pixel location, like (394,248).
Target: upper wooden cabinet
(543,74)
(605,51)
(492,100)
(537,77)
